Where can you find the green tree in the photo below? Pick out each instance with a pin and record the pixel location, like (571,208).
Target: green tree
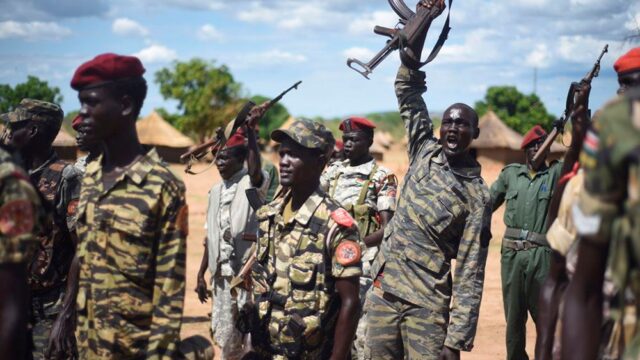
(518,111)
(33,88)
(273,119)
(207,95)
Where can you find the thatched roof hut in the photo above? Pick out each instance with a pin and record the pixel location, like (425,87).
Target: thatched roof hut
(65,145)
(155,131)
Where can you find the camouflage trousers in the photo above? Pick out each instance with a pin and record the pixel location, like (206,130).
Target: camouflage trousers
(359,350)
(398,329)
(44,310)
(224,314)
(523,274)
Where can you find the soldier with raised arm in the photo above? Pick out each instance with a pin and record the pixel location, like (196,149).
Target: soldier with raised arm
(415,309)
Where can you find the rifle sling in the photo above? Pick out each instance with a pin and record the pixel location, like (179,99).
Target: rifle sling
(411,62)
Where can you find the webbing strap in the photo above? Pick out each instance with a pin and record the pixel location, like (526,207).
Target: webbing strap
(410,61)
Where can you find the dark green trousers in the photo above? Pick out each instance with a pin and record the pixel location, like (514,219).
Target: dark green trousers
(523,273)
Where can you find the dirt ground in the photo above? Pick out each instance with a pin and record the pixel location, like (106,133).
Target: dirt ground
(490,338)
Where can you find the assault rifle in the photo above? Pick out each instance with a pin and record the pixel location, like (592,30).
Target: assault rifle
(409,30)
(570,106)
(249,115)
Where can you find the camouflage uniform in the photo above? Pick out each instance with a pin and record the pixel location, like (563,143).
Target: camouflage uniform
(298,262)
(21,213)
(610,204)
(60,191)
(442,214)
(304,273)
(274,179)
(525,256)
(132,262)
(345,184)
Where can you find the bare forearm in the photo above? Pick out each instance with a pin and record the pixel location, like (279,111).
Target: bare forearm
(374,239)
(204,264)
(347,317)
(254,165)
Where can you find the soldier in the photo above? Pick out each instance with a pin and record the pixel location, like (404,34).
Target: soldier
(20,220)
(305,280)
(562,236)
(34,125)
(368,192)
(527,190)
(62,342)
(606,220)
(415,309)
(231,230)
(132,224)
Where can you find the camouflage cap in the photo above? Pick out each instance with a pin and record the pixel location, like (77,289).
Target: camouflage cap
(309,134)
(36,110)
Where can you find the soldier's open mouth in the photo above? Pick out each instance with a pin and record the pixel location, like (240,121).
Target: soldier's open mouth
(452,142)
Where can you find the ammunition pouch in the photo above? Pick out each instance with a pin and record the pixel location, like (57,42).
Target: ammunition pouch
(366,217)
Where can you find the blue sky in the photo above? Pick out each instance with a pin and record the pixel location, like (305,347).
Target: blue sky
(270,44)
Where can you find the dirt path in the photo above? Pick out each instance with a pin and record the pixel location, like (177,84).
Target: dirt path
(489,343)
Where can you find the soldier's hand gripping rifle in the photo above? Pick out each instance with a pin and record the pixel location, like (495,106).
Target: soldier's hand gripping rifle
(570,107)
(249,115)
(410,30)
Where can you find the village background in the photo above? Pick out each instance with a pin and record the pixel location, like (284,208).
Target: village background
(513,61)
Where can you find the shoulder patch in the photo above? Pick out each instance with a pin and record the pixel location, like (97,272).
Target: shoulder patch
(348,253)
(72,207)
(16,218)
(342,217)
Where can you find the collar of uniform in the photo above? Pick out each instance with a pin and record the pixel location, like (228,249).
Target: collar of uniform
(139,170)
(136,172)
(524,170)
(306,211)
(467,172)
(363,169)
(53,157)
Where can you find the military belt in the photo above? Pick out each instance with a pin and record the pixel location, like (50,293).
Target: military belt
(519,245)
(525,236)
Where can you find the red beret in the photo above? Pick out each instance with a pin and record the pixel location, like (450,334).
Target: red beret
(237,139)
(75,123)
(536,133)
(355,123)
(106,68)
(629,61)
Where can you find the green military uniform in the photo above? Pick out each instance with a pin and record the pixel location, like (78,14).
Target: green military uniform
(610,204)
(525,252)
(416,308)
(60,190)
(299,258)
(132,262)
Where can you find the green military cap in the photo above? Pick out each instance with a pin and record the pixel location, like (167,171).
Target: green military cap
(36,110)
(309,134)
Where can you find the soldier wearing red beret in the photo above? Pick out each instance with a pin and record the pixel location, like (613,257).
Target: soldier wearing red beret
(132,225)
(628,69)
(368,191)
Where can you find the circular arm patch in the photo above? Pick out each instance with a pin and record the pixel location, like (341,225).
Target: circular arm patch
(16,218)
(348,253)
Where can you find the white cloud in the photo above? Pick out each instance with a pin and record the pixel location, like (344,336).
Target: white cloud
(581,49)
(190,4)
(539,57)
(209,33)
(360,53)
(365,24)
(275,57)
(634,22)
(294,15)
(479,46)
(156,54)
(128,27)
(34,30)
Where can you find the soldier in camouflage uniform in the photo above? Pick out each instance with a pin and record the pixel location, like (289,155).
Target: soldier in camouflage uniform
(305,281)
(231,230)
(415,309)
(34,125)
(606,219)
(21,216)
(368,192)
(132,224)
